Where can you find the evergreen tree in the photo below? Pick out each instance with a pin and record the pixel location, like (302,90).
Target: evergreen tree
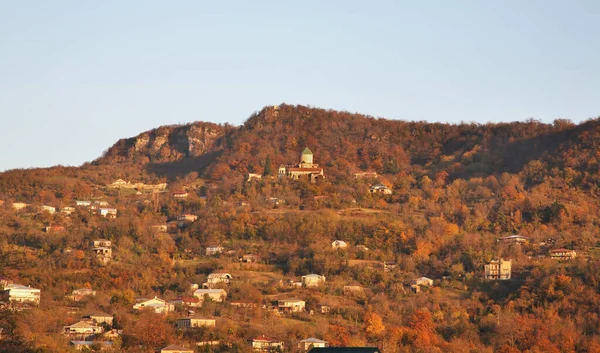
(268,170)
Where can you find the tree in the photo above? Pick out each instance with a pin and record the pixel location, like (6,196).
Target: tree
(374,325)
(268,170)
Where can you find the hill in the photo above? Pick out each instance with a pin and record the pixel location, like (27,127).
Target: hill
(449,195)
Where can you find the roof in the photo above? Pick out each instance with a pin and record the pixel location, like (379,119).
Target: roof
(175,347)
(307,151)
(313,340)
(264,339)
(82,324)
(312,170)
(90,342)
(345,350)
(292,300)
(313,275)
(561,250)
(100,315)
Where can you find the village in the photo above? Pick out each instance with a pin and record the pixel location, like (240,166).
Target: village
(239,280)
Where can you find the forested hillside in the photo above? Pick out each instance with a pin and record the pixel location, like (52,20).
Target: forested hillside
(434,200)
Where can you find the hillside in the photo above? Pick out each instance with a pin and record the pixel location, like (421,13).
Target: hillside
(347,143)
(164,210)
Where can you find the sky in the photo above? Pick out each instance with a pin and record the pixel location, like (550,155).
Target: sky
(76,76)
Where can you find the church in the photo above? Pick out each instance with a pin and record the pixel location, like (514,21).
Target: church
(305,169)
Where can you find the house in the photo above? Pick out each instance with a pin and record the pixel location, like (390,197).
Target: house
(101,203)
(55,229)
(192,322)
(185,219)
(364,175)
(49,209)
(81,293)
(83,203)
(305,169)
(102,243)
(20,294)
(107,212)
(362,248)
(217,278)
(91,345)
(176,349)
(513,239)
(389,266)
(312,280)
(214,250)
(324,309)
(339,244)
(380,189)
(422,281)
(83,329)
(217,295)
(249,258)
(291,305)
(101,318)
(180,195)
(563,254)
(354,291)
(156,304)
(188,301)
(309,343)
(159,227)
(67,210)
(266,344)
(252,176)
(103,254)
(498,270)
(19,205)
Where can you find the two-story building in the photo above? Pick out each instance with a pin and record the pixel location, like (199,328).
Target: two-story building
(215,279)
(291,305)
(498,270)
(20,294)
(312,280)
(266,344)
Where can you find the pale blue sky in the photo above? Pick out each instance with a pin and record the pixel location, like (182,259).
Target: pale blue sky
(75,76)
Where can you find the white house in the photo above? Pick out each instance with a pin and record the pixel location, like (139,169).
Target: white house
(49,209)
(380,189)
(83,328)
(312,280)
(102,243)
(107,212)
(422,281)
(100,318)
(291,305)
(192,322)
(339,244)
(17,293)
(214,250)
(217,295)
(312,342)
(81,293)
(83,203)
(217,278)
(266,344)
(156,304)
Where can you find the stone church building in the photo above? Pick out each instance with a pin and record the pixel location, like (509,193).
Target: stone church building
(305,169)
